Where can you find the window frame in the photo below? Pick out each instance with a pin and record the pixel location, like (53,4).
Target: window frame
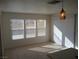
(12,30)
(26,29)
(25,32)
(42,28)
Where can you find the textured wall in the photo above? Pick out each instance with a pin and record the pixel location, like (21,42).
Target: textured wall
(8,42)
(38,6)
(63,31)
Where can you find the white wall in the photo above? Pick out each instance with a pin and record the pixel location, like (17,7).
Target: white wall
(70,6)
(26,6)
(64,30)
(1,41)
(38,6)
(7,38)
(76,31)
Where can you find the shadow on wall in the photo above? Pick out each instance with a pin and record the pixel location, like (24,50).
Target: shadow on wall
(61,39)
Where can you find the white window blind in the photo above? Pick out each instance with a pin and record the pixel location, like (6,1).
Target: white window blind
(41,27)
(30,28)
(17,27)
(27,28)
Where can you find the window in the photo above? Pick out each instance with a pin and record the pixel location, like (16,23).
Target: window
(17,27)
(27,28)
(30,28)
(41,27)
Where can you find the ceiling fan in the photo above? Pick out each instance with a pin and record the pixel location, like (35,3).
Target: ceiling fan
(54,2)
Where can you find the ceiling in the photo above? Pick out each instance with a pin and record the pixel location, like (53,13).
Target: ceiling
(37,6)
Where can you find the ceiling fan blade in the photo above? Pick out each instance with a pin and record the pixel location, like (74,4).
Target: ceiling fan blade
(54,2)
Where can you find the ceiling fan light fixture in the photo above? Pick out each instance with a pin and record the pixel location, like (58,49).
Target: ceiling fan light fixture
(62,14)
